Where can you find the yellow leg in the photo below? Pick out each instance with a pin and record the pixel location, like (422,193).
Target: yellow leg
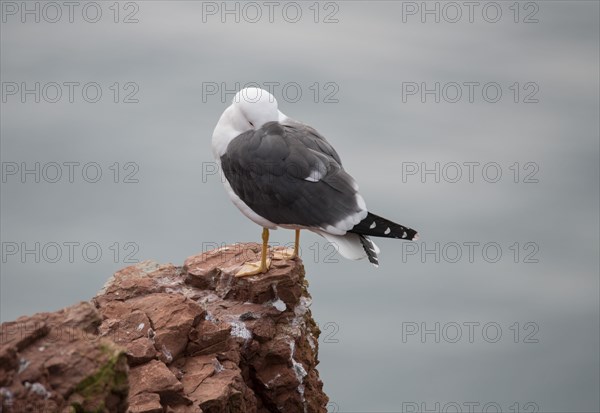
(265,247)
(258,267)
(297,243)
(287,254)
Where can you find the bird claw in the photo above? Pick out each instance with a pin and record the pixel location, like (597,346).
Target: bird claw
(253,268)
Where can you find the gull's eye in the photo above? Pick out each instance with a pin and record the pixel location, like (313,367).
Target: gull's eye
(251,124)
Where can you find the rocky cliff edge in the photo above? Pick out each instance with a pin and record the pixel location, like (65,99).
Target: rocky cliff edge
(160,338)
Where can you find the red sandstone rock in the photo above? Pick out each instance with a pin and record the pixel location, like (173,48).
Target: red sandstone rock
(51,361)
(196,338)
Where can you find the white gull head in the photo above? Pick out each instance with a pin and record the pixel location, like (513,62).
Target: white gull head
(250,109)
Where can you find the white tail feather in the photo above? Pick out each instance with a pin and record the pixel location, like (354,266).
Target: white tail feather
(348,245)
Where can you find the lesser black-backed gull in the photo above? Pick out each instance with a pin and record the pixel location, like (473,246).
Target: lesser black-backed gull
(282,173)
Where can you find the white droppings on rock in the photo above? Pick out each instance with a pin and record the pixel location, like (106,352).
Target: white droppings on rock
(300,312)
(300,373)
(208,299)
(303,305)
(272,381)
(166,282)
(224,284)
(7,397)
(299,370)
(238,329)
(210,317)
(276,302)
(311,341)
(38,389)
(183,290)
(23,364)
(167,354)
(279,305)
(218,366)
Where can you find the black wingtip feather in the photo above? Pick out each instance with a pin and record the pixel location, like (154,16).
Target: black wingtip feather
(369,248)
(377,226)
